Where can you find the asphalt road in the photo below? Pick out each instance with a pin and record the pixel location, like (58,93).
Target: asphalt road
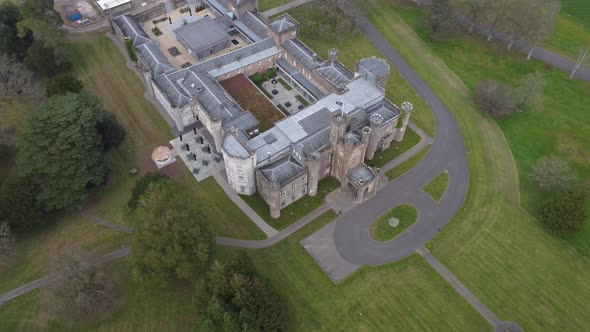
(351,235)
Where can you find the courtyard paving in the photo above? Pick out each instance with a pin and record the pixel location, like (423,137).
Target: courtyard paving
(197,154)
(283,96)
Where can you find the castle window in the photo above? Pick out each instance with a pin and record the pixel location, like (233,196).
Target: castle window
(303,191)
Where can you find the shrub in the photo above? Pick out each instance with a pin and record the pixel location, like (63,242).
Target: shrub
(565,214)
(112,132)
(130,50)
(552,172)
(494,98)
(257,79)
(270,73)
(62,83)
(142,186)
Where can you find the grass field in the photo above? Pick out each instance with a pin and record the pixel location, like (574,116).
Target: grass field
(569,36)
(297,210)
(354,47)
(493,245)
(578,9)
(269,4)
(396,149)
(436,188)
(100,63)
(407,165)
(380,229)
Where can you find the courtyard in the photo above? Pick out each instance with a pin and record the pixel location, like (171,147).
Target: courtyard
(284,96)
(251,99)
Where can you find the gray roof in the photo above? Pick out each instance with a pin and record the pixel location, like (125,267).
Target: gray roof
(153,57)
(297,76)
(361,174)
(234,148)
(351,136)
(316,141)
(283,170)
(253,26)
(219,5)
(335,73)
(243,122)
(132,29)
(386,109)
(377,67)
(201,34)
(301,53)
(283,23)
(273,148)
(173,91)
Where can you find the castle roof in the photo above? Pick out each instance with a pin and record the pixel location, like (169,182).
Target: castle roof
(253,26)
(234,148)
(283,23)
(282,171)
(336,73)
(201,34)
(361,174)
(132,29)
(377,67)
(153,57)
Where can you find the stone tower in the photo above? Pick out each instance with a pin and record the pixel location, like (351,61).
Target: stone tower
(283,28)
(376,124)
(333,55)
(240,7)
(337,128)
(407,108)
(366,138)
(274,196)
(374,69)
(314,163)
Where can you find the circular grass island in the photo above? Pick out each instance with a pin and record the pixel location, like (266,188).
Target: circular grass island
(384,228)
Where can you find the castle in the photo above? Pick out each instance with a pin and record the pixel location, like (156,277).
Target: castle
(348,121)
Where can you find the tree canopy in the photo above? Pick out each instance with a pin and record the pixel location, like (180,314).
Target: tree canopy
(61,149)
(565,214)
(171,237)
(494,98)
(142,186)
(62,83)
(10,42)
(18,202)
(234,298)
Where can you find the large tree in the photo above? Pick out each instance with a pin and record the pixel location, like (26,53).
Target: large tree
(142,186)
(552,173)
(541,21)
(6,243)
(234,298)
(494,98)
(171,238)
(63,83)
(42,59)
(61,149)
(10,42)
(15,80)
(18,202)
(565,214)
(440,20)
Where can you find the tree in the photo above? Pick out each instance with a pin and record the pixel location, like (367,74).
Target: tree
(81,290)
(15,80)
(171,238)
(10,43)
(113,134)
(61,149)
(62,83)
(475,10)
(541,22)
(343,12)
(234,298)
(494,98)
(565,214)
(515,21)
(551,173)
(440,20)
(131,50)
(142,186)
(42,10)
(18,202)
(6,243)
(580,60)
(41,59)
(497,14)
(529,90)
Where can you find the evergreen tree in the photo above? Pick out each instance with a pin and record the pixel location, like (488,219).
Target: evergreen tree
(565,214)
(63,83)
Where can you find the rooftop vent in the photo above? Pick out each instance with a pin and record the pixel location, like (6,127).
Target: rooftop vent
(193,85)
(199,90)
(270,138)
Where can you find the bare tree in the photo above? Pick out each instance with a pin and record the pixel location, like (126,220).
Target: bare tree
(552,172)
(529,90)
(15,79)
(582,56)
(81,291)
(494,98)
(345,12)
(498,13)
(516,21)
(6,243)
(475,10)
(541,23)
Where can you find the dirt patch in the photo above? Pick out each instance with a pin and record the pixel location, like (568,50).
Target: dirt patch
(251,99)
(174,171)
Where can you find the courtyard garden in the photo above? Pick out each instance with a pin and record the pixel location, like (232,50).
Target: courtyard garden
(251,99)
(391,224)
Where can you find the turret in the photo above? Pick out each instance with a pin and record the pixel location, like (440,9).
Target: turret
(337,128)
(274,195)
(375,123)
(366,136)
(314,163)
(407,108)
(283,28)
(333,55)
(240,7)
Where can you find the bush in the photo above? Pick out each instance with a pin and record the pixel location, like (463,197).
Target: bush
(270,73)
(142,186)
(494,98)
(113,134)
(130,50)
(552,173)
(18,203)
(565,214)
(41,59)
(62,83)
(257,79)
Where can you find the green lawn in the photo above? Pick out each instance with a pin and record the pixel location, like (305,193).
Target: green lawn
(569,35)
(269,4)
(407,165)
(296,210)
(578,9)
(354,47)
(395,150)
(493,246)
(436,188)
(102,66)
(380,229)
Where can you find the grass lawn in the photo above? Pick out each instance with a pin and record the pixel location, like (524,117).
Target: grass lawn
(297,209)
(578,9)
(270,4)
(569,35)
(103,68)
(407,296)
(493,246)
(380,229)
(436,188)
(396,149)
(407,165)
(354,47)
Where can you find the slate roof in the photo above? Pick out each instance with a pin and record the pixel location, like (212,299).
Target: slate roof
(377,67)
(282,171)
(201,34)
(283,23)
(132,29)
(301,53)
(274,149)
(297,76)
(335,73)
(153,57)
(234,148)
(361,174)
(351,136)
(386,109)
(175,94)
(253,26)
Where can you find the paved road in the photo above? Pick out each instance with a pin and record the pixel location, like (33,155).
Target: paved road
(48,279)
(351,235)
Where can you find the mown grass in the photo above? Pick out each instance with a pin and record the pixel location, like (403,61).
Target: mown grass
(493,246)
(395,150)
(353,47)
(407,165)
(569,36)
(270,4)
(436,188)
(296,210)
(380,229)
(579,9)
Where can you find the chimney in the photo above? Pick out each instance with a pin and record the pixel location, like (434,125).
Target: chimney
(333,55)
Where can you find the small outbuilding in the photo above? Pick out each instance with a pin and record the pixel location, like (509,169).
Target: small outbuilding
(203,37)
(162,156)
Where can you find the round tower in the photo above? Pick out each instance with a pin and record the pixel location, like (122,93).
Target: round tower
(274,202)
(333,55)
(314,163)
(366,136)
(407,108)
(375,123)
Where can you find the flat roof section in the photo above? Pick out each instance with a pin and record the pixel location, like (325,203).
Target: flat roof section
(110,4)
(201,34)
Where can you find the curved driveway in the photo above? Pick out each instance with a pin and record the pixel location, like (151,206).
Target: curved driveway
(351,235)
